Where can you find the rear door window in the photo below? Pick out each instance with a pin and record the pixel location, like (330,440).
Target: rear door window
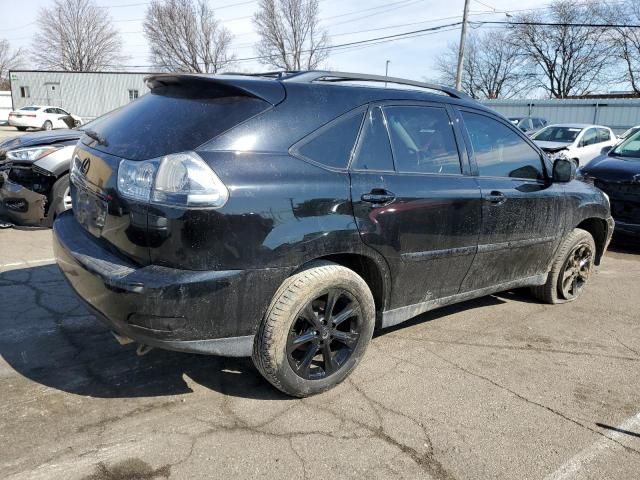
(374,150)
(422,140)
(172,119)
(603,135)
(499,151)
(333,144)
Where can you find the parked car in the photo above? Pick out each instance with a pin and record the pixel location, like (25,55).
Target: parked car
(628,133)
(579,142)
(528,124)
(42,117)
(307,210)
(617,173)
(34,175)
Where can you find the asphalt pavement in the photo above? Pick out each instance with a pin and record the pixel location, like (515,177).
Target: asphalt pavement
(501,387)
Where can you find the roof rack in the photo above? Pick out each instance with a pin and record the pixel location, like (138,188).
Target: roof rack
(328,76)
(280,74)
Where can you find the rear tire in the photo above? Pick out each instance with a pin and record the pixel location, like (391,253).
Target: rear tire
(302,350)
(571,269)
(47,125)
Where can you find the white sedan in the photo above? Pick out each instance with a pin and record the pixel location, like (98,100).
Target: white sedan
(576,141)
(43,117)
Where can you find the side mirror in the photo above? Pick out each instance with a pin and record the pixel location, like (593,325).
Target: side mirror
(564,170)
(606,150)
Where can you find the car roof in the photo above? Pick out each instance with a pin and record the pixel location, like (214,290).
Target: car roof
(39,106)
(371,88)
(576,125)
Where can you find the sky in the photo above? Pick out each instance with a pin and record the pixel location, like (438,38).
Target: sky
(345,20)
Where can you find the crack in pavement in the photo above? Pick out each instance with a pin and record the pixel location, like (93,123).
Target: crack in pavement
(519,348)
(532,402)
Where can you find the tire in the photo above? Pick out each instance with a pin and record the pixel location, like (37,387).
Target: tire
(58,199)
(576,161)
(571,269)
(296,312)
(47,125)
(22,129)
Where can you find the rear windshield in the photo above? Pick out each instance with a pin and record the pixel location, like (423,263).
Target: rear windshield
(30,109)
(171,119)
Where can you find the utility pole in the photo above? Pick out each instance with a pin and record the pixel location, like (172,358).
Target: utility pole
(463,35)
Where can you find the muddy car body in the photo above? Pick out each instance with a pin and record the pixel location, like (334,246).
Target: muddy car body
(311,211)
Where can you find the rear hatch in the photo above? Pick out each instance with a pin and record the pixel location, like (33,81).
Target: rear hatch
(180,113)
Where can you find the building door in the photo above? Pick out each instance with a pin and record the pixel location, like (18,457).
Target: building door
(53,94)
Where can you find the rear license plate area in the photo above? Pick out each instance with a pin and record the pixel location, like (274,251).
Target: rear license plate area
(90,211)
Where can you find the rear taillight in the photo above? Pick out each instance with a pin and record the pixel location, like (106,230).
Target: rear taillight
(180,179)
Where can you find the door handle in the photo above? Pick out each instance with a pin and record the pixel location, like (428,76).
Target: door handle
(496,198)
(378,196)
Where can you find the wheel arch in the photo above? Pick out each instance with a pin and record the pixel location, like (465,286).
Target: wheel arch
(598,228)
(373,270)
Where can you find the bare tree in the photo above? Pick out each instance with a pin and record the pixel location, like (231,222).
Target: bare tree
(568,58)
(10,59)
(185,36)
(492,68)
(76,35)
(626,39)
(290,34)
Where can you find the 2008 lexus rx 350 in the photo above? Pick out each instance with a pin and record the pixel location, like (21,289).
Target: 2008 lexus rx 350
(285,216)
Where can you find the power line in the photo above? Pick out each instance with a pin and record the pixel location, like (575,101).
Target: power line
(555,24)
(398,36)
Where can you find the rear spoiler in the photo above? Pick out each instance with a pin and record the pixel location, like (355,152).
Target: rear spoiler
(268,90)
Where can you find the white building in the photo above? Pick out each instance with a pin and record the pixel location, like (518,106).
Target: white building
(5,105)
(87,94)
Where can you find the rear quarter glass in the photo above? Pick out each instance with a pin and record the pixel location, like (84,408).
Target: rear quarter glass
(172,119)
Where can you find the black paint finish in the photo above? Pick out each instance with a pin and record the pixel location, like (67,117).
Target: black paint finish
(619,177)
(159,273)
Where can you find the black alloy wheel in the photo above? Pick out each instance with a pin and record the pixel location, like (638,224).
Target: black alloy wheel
(576,271)
(324,335)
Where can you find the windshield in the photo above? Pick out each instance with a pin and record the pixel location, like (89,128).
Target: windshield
(171,119)
(96,121)
(30,109)
(630,148)
(557,134)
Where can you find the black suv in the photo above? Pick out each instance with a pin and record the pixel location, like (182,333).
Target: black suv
(285,216)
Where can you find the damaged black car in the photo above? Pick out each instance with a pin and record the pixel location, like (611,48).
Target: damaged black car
(617,173)
(285,216)
(34,175)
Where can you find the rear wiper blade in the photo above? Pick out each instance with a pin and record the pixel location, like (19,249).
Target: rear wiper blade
(96,136)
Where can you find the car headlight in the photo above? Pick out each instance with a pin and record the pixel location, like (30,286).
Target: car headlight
(180,179)
(30,153)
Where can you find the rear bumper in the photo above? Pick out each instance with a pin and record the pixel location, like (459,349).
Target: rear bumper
(212,312)
(21,205)
(23,122)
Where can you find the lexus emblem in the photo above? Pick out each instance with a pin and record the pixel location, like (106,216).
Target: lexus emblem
(84,166)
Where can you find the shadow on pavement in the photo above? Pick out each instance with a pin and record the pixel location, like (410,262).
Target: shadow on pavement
(47,336)
(625,244)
